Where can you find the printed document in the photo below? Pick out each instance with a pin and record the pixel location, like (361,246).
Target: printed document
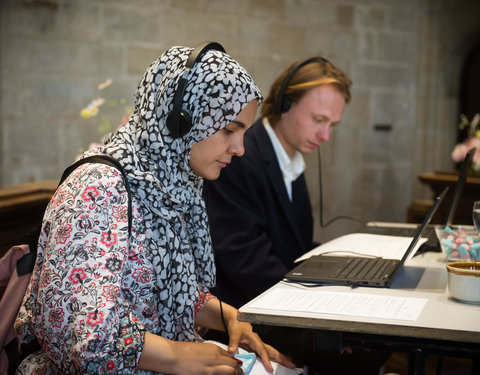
(365,244)
(342,303)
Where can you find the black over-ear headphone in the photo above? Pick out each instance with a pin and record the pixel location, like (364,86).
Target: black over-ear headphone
(179,122)
(283,103)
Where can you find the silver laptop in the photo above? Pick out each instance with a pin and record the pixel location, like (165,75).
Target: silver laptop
(358,271)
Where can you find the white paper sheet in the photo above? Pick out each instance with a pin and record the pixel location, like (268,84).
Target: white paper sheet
(343,303)
(358,244)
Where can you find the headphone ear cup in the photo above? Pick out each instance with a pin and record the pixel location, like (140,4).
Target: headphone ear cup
(179,122)
(180,127)
(286,104)
(170,125)
(184,123)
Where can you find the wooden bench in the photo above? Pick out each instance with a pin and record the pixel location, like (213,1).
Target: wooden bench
(437,182)
(21,208)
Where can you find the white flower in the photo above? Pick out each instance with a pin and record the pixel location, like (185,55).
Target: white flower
(105,84)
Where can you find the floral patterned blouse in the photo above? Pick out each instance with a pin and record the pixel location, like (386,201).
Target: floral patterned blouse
(92,294)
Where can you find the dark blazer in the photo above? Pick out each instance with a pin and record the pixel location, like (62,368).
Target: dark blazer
(257,232)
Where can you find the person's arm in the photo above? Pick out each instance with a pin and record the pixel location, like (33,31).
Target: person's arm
(167,356)
(88,251)
(76,307)
(239,333)
(172,357)
(84,319)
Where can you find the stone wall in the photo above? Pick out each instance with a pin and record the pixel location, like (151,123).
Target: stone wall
(404,57)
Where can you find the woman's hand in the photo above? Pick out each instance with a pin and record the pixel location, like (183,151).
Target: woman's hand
(204,358)
(176,357)
(241,334)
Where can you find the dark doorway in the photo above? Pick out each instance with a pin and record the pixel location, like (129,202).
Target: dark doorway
(470,87)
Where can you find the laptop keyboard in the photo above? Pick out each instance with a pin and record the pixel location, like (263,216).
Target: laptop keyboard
(364,268)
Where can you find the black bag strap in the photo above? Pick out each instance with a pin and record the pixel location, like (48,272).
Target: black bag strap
(104,159)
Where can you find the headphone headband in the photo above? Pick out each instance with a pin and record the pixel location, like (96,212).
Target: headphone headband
(200,50)
(283,103)
(179,122)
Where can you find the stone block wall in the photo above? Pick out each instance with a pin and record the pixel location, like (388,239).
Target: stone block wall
(404,58)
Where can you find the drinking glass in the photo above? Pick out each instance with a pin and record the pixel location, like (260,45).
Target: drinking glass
(476,215)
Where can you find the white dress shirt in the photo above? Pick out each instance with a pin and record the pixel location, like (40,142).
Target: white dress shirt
(291,168)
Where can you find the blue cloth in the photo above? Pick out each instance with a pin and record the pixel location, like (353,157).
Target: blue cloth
(248,360)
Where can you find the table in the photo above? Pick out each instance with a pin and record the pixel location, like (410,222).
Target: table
(444,326)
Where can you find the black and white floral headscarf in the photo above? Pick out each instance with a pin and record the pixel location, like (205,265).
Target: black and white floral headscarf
(157,165)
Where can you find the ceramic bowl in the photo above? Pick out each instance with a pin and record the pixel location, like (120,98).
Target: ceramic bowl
(464,281)
(459,244)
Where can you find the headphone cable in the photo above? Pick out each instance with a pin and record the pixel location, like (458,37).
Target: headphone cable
(322,225)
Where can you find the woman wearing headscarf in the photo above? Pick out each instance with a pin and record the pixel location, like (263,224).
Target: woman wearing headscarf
(103,302)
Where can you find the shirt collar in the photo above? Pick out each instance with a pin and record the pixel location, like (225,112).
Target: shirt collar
(291,168)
